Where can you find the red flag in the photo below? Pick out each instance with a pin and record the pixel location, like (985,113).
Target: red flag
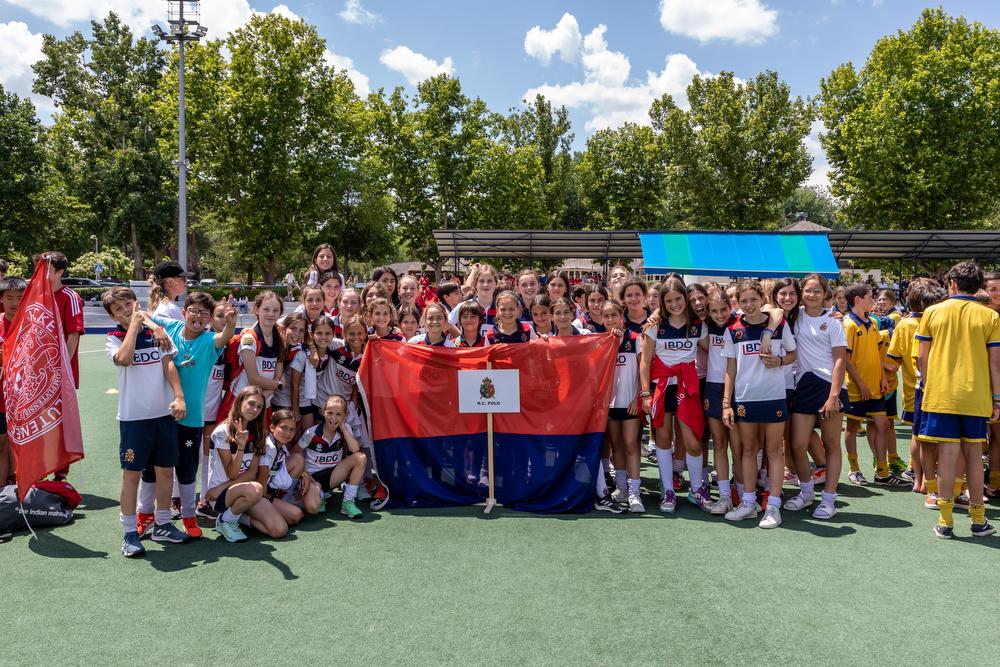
(43,420)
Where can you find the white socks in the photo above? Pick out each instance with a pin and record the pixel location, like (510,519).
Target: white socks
(694,470)
(665,462)
(350,492)
(187,500)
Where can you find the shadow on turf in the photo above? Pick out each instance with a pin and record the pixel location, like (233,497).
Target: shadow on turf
(48,544)
(179,557)
(90,502)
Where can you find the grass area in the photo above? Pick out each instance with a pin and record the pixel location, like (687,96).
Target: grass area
(453,586)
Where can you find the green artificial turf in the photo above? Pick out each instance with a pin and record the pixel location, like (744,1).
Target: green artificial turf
(454,586)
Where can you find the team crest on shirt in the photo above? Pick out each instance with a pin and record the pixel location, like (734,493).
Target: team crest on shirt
(738,334)
(248,339)
(694,331)
(486,389)
(822,327)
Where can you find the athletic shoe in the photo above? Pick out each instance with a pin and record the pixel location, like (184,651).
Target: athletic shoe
(944,532)
(799,502)
(721,506)
(930,501)
(983,529)
(606,504)
(819,475)
(909,474)
(651,456)
(349,509)
(619,496)
(143,523)
(669,502)
(762,481)
(380,496)
(962,500)
(892,479)
(175,508)
(363,492)
(230,530)
(206,511)
(897,467)
(857,477)
(131,546)
(700,498)
(772,518)
(790,477)
(191,527)
(678,481)
(635,504)
(825,511)
(609,480)
(741,512)
(168,532)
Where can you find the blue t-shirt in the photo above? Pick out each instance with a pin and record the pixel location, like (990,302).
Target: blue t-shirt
(194,360)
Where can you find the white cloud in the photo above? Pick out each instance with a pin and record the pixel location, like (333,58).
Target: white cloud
(283,10)
(415,67)
(564,39)
(820,175)
(353,12)
(606,91)
(359,80)
(740,21)
(19,50)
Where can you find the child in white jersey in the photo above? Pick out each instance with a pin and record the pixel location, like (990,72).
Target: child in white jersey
(333,455)
(623,413)
(289,488)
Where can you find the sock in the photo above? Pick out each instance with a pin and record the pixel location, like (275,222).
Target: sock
(229,516)
(995,479)
(807,489)
(665,462)
(350,492)
(678,464)
(175,492)
(621,481)
(204,475)
(749,498)
(725,491)
(633,487)
(852,460)
(882,468)
(740,490)
(977,513)
(945,506)
(829,498)
(958,487)
(607,465)
(147,497)
(161,517)
(894,457)
(130,522)
(694,470)
(931,486)
(602,486)
(187,500)
(774,501)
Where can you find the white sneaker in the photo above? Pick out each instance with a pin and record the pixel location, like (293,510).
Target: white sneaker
(619,496)
(825,511)
(772,518)
(721,506)
(669,502)
(742,511)
(799,502)
(635,504)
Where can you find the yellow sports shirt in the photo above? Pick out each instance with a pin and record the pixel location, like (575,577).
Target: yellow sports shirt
(958,369)
(883,346)
(903,350)
(895,317)
(863,350)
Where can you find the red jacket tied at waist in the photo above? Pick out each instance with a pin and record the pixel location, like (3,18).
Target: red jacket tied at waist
(689,409)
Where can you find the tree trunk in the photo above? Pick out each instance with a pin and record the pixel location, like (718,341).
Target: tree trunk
(249,275)
(137,273)
(270,270)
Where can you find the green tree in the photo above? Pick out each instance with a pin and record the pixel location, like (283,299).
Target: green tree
(21,169)
(737,153)
(103,88)
(816,202)
(622,176)
(115,262)
(912,136)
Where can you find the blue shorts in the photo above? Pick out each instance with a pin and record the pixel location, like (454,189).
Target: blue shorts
(891,404)
(670,398)
(148,442)
(942,427)
(620,415)
(811,394)
(862,410)
(918,414)
(220,502)
(906,417)
(762,412)
(711,399)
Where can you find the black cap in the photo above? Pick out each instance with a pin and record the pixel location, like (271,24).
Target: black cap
(170,270)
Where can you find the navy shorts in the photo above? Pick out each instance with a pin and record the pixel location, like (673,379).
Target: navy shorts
(906,417)
(862,410)
(918,415)
(762,412)
(892,405)
(323,477)
(620,415)
(670,398)
(711,399)
(220,502)
(942,427)
(3,423)
(811,393)
(148,442)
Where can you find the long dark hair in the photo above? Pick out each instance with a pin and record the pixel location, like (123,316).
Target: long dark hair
(324,246)
(256,427)
(676,285)
(378,272)
(792,316)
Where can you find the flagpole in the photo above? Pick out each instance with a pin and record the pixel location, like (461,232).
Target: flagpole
(492,500)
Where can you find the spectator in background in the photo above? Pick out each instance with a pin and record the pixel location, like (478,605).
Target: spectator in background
(3,271)
(290,286)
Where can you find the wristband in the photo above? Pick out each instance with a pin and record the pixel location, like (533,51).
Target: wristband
(769,331)
(645,393)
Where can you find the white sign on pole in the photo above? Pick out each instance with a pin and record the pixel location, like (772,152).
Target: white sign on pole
(489,391)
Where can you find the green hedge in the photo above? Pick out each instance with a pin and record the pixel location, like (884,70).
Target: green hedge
(94,293)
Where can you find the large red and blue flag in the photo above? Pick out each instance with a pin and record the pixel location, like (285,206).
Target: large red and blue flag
(546,456)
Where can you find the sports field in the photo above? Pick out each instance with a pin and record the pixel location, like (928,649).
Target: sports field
(452,586)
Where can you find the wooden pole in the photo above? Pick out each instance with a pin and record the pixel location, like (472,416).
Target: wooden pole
(492,500)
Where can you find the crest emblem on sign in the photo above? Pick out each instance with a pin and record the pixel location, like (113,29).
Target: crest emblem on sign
(36,371)
(486,389)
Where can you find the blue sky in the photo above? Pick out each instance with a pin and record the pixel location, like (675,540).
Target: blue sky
(604,60)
